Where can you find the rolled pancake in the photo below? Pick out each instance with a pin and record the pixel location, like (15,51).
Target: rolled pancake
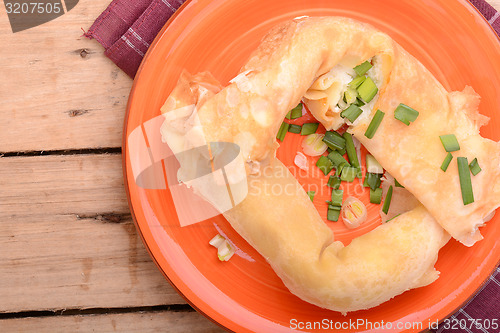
(286,229)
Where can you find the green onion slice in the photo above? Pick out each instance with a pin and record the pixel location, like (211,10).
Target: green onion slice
(374,124)
(387,201)
(446,162)
(397,184)
(450,142)
(282,131)
(309,128)
(333,215)
(340,167)
(474,167)
(296,112)
(289,115)
(359,102)
(367,90)
(376,196)
(405,114)
(324,164)
(334,140)
(465,180)
(350,95)
(311,194)
(372,180)
(337,196)
(355,83)
(334,182)
(294,128)
(363,68)
(351,150)
(352,113)
(348,174)
(337,159)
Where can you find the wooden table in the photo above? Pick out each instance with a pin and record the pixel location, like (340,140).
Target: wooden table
(70,257)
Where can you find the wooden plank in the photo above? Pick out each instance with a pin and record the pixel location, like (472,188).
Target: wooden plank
(58,89)
(143,322)
(67,239)
(62,184)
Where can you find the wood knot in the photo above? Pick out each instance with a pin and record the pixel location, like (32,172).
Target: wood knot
(84,53)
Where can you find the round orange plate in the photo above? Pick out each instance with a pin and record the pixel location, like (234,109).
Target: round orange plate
(244,294)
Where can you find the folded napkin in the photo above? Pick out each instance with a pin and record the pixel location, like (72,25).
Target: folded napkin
(126,29)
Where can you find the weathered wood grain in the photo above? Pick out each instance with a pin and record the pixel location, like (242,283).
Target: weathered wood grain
(58,89)
(67,239)
(144,322)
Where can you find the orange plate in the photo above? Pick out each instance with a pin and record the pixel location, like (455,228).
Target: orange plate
(449,37)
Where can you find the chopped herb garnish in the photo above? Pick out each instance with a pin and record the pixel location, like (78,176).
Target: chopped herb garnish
(357,82)
(367,90)
(358,102)
(289,115)
(446,162)
(350,95)
(282,131)
(296,112)
(450,142)
(351,113)
(309,128)
(405,114)
(333,215)
(363,68)
(465,180)
(397,184)
(337,159)
(474,167)
(392,218)
(334,140)
(311,194)
(337,196)
(372,180)
(351,150)
(340,167)
(324,164)
(372,165)
(294,128)
(374,124)
(348,174)
(334,182)
(376,196)
(387,201)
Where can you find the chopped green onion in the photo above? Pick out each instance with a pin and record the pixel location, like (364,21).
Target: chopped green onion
(217,240)
(374,124)
(446,162)
(348,174)
(296,112)
(289,115)
(341,151)
(309,128)
(359,102)
(340,167)
(405,114)
(367,90)
(474,167)
(372,180)
(350,95)
(465,180)
(334,140)
(357,82)
(333,215)
(387,201)
(324,164)
(376,196)
(337,159)
(397,184)
(337,196)
(351,150)
(294,128)
(330,206)
(450,142)
(363,68)
(372,165)
(282,131)
(334,182)
(311,194)
(352,113)
(225,251)
(392,218)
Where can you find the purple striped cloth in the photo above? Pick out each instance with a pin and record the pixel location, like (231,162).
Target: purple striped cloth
(126,29)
